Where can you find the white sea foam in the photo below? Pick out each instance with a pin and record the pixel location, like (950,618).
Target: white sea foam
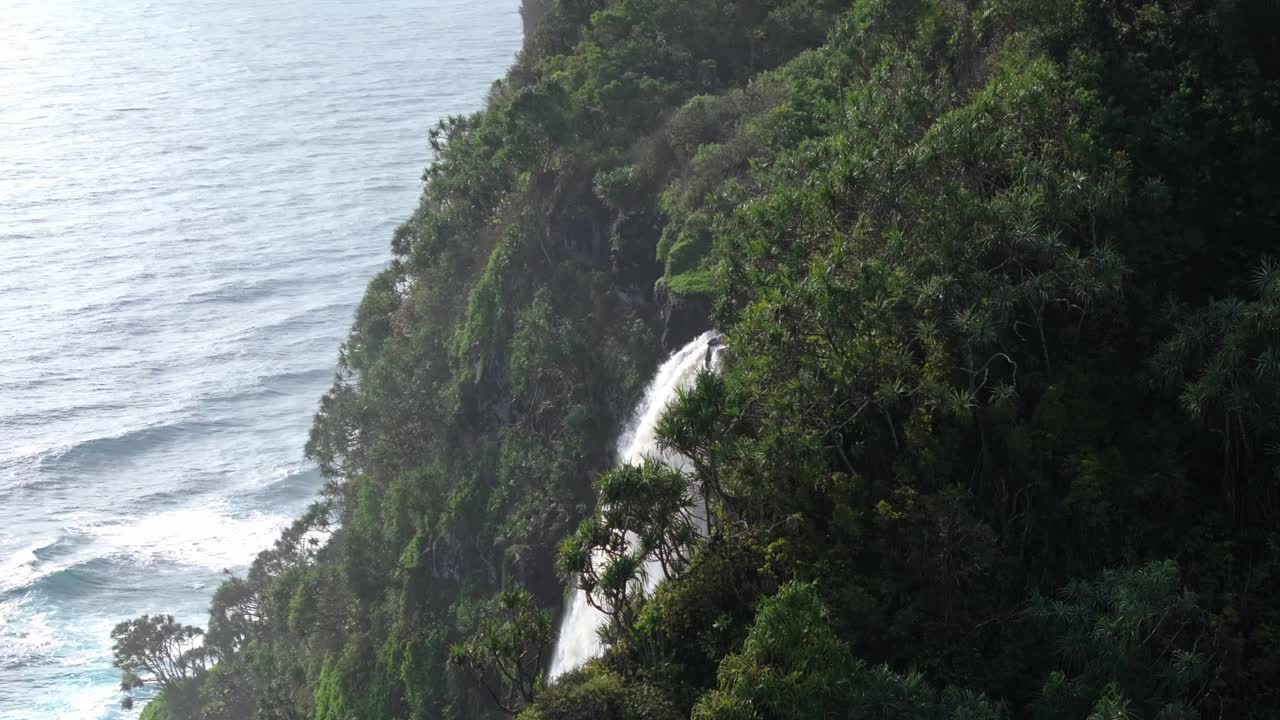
(26,633)
(198,537)
(19,569)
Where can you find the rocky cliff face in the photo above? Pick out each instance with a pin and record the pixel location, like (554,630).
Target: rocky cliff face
(531,13)
(683,317)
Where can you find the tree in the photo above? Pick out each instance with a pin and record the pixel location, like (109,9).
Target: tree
(793,666)
(1134,638)
(935,243)
(645,525)
(236,606)
(1223,359)
(693,425)
(159,650)
(505,655)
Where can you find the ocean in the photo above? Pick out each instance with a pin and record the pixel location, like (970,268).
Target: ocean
(193,194)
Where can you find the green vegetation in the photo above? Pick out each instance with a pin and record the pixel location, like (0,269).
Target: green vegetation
(158,709)
(996,434)
(160,651)
(506,653)
(646,511)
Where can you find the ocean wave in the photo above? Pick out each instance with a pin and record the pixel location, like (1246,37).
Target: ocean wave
(80,579)
(25,457)
(43,416)
(207,537)
(125,445)
(288,382)
(313,316)
(20,569)
(52,463)
(243,291)
(216,409)
(110,555)
(235,400)
(291,486)
(26,635)
(60,549)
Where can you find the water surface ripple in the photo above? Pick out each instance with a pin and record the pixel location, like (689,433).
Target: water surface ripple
(193,194)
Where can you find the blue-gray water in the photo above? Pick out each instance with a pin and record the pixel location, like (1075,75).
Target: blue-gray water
(193,194)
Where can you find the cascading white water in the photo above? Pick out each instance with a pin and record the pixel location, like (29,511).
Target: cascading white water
(579,639)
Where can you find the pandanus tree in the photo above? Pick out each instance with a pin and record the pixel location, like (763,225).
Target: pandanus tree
(694,426)
(646,523)
(1223,360)
(505,653)
(1134,643)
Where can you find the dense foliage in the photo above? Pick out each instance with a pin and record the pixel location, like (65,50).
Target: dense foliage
(996,433)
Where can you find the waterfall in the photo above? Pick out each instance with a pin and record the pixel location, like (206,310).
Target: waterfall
(579,641)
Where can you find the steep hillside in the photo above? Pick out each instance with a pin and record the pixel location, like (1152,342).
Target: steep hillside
(997,430)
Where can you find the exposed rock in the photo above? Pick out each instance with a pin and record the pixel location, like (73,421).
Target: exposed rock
(683,317)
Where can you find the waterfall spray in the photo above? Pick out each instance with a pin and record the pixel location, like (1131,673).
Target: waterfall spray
(579,639)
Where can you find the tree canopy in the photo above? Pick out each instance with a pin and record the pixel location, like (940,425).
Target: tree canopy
(995,434)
